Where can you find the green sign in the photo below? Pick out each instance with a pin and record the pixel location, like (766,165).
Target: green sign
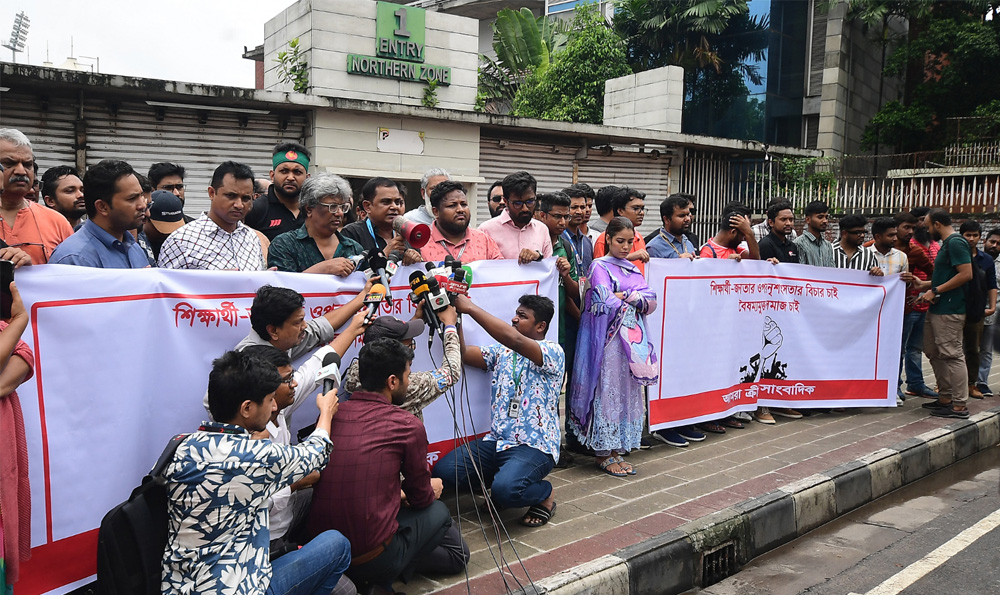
(399,32)
(399,48)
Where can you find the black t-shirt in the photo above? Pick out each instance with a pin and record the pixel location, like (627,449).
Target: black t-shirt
(771,246)
(359,232)
(272,218)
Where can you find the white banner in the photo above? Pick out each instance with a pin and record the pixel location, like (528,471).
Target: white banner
(122,361)
(734,335)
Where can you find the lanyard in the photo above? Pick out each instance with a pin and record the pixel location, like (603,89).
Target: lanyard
(460,252)
(372,232)
(672,244)
(222,428)
(514,410)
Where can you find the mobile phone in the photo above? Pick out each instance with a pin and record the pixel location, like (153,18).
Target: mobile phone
(6,277)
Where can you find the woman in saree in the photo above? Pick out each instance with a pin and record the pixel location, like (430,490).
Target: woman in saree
(614,355)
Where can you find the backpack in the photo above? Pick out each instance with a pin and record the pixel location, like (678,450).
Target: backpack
(133,535)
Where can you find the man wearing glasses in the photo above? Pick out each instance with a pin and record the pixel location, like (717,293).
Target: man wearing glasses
(629,203)
(26,225)
(515,232)
(494,199)
(169,177)
(849,251)
(318,246)
(450,231)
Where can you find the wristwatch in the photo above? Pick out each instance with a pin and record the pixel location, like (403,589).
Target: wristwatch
(540,256)
(934,291)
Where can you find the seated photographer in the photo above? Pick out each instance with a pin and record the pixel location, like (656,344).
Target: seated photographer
(359,494)
(522,445)
(218,484)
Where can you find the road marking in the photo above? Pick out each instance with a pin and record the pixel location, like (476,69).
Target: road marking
(937,557)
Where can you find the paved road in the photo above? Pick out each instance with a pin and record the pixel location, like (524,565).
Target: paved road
(940,535)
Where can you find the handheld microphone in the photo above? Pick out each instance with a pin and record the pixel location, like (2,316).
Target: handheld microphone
(374,297)
(378,265)
(421,286)
(329,373)
(416,234)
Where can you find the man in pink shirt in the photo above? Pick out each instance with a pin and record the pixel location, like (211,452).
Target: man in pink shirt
(514,231)
(450,232)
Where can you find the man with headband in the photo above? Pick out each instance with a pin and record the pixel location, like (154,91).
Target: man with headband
(281,212)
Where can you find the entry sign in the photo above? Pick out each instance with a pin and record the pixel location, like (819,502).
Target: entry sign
(399,47)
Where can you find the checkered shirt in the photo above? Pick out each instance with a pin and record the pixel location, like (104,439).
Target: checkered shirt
(892,262)
(201,244)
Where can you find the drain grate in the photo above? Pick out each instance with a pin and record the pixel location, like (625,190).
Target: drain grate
(718,563)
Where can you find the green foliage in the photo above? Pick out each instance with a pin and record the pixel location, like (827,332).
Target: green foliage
(717,42)
(571,88)
(799,173)
(293,68)
(954,50)
(523,45)
(430,99)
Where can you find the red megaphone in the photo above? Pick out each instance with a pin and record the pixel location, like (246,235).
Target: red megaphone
(416,234)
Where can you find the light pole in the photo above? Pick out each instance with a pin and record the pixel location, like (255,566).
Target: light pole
(18,35)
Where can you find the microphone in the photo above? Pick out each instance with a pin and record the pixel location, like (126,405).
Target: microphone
(374,297)
(329,373)
(379,265)
(416,234)
(421,286)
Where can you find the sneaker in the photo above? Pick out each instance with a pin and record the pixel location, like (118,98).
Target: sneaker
(690,434)
(670,437)
(743,416)
(950,413)
(763,416)
(975,393)
(985,389)
(789,413)
(934,404)
(646,442)
(925,391)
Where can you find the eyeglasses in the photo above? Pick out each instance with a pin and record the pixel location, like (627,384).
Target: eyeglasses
(637,209)
(289,380)
(334,207)
(171,187)
(520,203)
(496,199)
(857,232)
(560,217)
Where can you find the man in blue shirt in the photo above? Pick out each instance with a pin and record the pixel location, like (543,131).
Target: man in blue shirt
(670,241)
(115,205)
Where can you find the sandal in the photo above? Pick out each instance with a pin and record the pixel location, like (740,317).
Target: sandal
(612,460)
(629,469)
(539,512)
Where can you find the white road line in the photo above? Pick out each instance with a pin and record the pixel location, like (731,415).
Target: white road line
(937,557)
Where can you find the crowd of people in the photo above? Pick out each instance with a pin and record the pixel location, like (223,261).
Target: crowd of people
(353,505)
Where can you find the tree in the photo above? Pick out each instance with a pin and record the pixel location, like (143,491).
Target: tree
(572,87)
(951,45)
(717,42)
(523,44)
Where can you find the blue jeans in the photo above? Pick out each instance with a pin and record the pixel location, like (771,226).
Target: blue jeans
(516,475)
(986,353)
(312,569)
(913,348)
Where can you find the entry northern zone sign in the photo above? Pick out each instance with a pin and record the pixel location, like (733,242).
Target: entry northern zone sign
(400,34)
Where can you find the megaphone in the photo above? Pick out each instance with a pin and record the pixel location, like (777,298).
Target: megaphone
(416,234)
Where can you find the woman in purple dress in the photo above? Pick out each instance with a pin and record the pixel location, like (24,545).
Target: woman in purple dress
(614,356)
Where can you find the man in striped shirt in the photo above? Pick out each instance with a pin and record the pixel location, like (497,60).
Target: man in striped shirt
(848,252)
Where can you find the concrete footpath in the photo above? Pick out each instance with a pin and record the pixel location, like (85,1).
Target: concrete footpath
(692,516)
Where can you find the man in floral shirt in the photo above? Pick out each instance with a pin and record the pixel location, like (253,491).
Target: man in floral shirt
(523,443)
(218,485)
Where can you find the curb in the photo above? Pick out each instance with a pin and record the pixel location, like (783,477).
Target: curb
(713,547)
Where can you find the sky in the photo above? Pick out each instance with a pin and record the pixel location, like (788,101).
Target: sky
(198,41)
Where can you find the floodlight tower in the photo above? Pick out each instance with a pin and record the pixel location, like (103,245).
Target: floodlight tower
(18,35)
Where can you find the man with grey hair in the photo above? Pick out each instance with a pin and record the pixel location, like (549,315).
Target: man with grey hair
(422,213)
(317,246)
(26,225)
